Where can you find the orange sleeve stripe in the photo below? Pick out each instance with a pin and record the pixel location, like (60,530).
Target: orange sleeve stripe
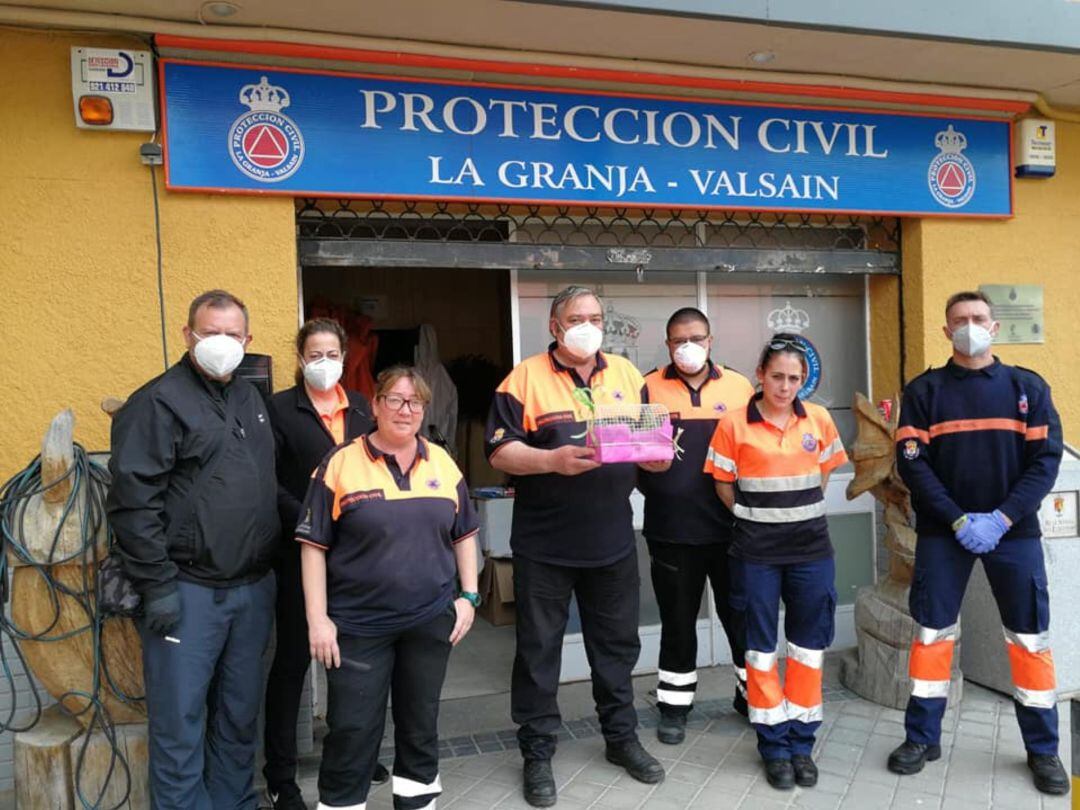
(802,684)
(834,461)
(763,688)
(1032,670)
(909,432)
(1034,434)
(931,662)
(970,425)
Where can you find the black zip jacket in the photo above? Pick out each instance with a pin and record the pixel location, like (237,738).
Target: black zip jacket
(302,441)
(164,435)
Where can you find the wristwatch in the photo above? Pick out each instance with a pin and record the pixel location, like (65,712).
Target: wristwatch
(958,524)
(471,597)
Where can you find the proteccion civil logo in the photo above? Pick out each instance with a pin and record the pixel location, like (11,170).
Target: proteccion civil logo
(264,144)
(794,321)
(951,176)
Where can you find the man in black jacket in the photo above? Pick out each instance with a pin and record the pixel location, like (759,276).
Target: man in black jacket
(193,504)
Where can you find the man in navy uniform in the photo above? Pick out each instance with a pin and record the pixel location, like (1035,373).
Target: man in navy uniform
(979,444)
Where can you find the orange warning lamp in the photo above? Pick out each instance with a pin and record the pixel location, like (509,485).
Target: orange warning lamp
(96,110)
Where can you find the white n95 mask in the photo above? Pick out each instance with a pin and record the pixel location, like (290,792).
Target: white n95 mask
(323,374)
(583,340)
(218,355)
(972,340)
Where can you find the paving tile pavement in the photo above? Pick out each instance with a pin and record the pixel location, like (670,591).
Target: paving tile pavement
(982,764)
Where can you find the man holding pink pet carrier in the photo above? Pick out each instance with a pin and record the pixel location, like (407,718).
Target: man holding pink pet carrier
(572,533)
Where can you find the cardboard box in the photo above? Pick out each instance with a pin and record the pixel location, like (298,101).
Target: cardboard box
(497,591)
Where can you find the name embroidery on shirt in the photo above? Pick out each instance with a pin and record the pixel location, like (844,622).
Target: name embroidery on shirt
(361,497)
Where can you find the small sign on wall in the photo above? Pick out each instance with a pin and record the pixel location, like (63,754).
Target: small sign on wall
(1019,310)
(1058,515)
(1035,148)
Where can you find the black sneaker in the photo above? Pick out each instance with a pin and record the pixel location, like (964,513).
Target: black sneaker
(638,762)
(910,757)
(380,776)
(671,729)
(286,797)
(1049,774)
(780,773)
(538,783)
(805,770)
(739,701)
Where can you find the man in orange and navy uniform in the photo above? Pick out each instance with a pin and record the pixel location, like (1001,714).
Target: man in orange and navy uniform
(572,535)
(687,526)
(979,444)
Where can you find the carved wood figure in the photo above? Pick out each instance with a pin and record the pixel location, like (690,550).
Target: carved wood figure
(878,668)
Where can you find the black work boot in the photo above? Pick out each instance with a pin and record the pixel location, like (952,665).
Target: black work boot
(910,757)
(1049,774)
(805,770)
(738,703)
(638,762)
(671,729)
(539,783)
(780,773)
(286,796)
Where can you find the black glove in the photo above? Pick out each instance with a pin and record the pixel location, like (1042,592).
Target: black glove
(163,613)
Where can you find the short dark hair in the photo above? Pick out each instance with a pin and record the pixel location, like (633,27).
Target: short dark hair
(769,352)
(215,299)
(686,315)
(966,295)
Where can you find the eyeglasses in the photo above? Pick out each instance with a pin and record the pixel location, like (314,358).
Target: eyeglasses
(396,402)
(700,340)
(785,343)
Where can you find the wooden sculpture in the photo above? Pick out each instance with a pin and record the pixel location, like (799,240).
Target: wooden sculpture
(63,654)
(878,668)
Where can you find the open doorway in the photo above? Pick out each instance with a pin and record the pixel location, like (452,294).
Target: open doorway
(467,312)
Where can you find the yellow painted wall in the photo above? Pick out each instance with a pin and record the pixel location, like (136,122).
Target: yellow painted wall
(78,303)
(79,312)
(1040,245)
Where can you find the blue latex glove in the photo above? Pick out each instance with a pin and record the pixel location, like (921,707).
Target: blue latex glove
(987,529)
(963,534)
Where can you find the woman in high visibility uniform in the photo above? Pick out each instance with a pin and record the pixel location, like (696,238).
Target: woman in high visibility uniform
(771,461)
(388,531)
(308,420)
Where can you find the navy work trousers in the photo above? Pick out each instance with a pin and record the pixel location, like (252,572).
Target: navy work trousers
(785,718)
(203,690)
(1017,577)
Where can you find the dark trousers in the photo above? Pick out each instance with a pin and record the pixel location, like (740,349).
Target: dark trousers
(785,718)
(679,572)
(1017,576)
(409,667)
(203,691)
(285,684)
(607,600)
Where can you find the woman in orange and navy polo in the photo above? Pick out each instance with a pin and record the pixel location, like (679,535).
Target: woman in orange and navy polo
(771,461)
(388,531)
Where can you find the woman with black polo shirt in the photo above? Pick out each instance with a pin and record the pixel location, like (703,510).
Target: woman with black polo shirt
(771,461)
(309,419)
(388,532)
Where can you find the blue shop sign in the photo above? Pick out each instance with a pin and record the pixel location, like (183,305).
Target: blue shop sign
(235,129)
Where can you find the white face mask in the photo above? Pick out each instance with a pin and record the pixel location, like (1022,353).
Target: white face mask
(972,340)
(690,358)
(218,355)
(323,374)
(583,340)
